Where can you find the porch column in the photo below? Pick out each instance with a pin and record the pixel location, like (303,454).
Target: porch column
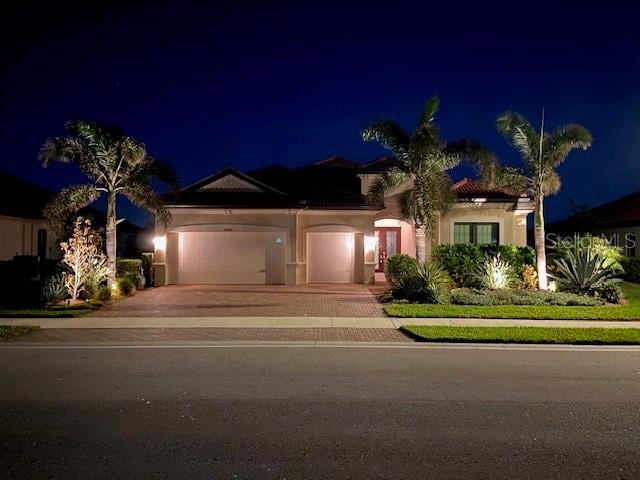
(421,244)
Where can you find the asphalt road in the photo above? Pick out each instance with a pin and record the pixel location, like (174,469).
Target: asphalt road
(330,413)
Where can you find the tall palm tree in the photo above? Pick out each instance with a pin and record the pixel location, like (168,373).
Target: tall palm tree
(423,160)
(115,164)
(541,153)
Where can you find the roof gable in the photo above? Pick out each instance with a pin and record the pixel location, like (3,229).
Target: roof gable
(230,180)
(230,183)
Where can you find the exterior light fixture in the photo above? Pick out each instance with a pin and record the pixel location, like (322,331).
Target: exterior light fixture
(369,243)
(160,242)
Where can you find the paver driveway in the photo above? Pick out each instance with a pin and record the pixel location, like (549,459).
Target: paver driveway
(248,300)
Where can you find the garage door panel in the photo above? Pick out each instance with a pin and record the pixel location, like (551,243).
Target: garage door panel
(224,257)
(330,257)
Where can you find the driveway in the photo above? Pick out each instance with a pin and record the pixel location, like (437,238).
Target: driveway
(350,300)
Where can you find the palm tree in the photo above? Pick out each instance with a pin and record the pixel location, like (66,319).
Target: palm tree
(423,160)
(115,164)
(541,153)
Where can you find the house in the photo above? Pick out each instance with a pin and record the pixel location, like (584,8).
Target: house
(618,221)
(312,224)
(23,230)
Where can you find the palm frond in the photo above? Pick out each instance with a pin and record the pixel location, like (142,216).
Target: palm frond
(519,132)
(67,202)
(143,196)
(566,138)
(390,135)
(386,181)
(551,183)
(480,157)
(514,179)
(429,111)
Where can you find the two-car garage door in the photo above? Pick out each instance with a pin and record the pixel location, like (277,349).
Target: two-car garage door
(231,257)
(259,258)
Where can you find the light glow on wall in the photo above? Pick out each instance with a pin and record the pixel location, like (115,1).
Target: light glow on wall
(160,242)
(369,243)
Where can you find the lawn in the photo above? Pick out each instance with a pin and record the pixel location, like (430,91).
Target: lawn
(45,312)
(630,311)
(577,336)
(11,331)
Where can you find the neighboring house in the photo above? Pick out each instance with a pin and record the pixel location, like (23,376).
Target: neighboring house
(312,224)
(22,228)
(618,221)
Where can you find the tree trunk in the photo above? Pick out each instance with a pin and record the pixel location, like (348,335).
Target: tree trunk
(111,239)
(540,241)
(421,243)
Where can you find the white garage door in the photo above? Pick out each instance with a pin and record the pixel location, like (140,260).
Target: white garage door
(230,257)
(330,257)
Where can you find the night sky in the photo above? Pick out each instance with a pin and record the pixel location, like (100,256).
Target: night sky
(244,85)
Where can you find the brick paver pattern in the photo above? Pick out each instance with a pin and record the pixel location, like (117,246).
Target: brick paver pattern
(249,300)
(176,335)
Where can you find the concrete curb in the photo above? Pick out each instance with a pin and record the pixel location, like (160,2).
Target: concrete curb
(302,322)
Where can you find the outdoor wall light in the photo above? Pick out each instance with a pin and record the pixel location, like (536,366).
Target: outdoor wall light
(160,242)
(369,243)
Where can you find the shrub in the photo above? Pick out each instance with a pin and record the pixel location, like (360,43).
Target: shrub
(609,292)
(103,294)
(426,283)
(468,296)
(131,268)
(631,266)
(82,255)
(462,260)
(398,268)
(147,268)
(126,286)
(496,273)
(529,277)
(54,290)
(593,243)
(584,269)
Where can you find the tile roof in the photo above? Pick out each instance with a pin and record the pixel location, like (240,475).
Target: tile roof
(467,188)
(20,198)
(622,212)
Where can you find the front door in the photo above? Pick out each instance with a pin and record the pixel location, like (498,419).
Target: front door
(387,244)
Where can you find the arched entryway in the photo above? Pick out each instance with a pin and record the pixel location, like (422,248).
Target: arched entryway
(393,236)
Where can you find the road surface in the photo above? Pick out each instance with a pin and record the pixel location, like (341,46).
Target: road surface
(287,412)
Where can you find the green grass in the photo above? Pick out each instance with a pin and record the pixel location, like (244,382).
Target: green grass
(44,312)
(11,331)
(630,311)
(576,336)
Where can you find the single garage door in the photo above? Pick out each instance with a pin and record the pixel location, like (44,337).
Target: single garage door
(330,257)
(231,257)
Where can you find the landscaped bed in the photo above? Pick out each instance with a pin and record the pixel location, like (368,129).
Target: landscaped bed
(12,331)
(628,311)
(544,335)
(58,312)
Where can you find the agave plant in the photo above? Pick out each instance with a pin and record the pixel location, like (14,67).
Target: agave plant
(54,290)
(434,282)
(496,273)
(584,269)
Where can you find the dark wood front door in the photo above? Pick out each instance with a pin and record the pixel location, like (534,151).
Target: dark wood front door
(388,243)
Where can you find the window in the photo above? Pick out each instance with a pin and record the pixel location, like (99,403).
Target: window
(42,243)
(478,233)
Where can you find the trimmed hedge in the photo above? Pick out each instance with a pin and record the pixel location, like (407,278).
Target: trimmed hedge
(631,266)
(469,296)
(131,268)
(461,260)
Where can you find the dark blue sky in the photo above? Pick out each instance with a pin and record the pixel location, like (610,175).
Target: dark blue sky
(293,83)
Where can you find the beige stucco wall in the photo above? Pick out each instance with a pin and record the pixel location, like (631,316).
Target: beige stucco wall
(512,225)
(19,236)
